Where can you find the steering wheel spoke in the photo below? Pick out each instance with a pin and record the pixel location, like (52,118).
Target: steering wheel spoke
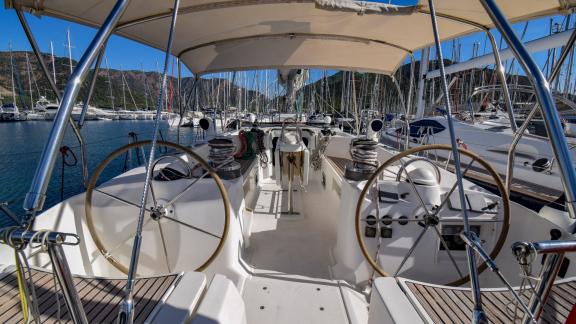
(430,212)
(191,227)
(160,211)
(412,248)
(447,249)
(451,191)
(164,248)
(127,202)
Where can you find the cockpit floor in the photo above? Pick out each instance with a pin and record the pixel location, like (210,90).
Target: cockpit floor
(291,300)
(294,244)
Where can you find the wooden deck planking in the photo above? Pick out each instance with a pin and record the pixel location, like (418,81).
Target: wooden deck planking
(453,305)
(100,297)
(339,164)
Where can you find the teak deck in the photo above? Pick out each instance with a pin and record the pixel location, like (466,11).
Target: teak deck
(339,164)
(454,305)
(100,297)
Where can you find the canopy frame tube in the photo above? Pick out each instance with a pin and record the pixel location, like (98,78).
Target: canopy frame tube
(36,196)
(545,100)
(520,132)
(51,82)
(126,313)
(478,315)
(91,86)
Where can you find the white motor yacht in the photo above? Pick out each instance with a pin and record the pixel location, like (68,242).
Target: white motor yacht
(126,115)
(11,113)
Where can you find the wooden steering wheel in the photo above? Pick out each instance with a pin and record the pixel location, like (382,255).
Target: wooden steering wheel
(431,218)
(120,198)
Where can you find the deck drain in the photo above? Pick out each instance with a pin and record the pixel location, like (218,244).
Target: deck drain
(321,308)
(318,289)
(261,307)
(264,288)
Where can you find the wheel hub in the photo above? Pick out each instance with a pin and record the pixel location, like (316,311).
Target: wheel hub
(161,210)
(431,220)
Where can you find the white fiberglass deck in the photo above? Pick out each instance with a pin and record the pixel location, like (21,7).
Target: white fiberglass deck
(291,256)
(294,244)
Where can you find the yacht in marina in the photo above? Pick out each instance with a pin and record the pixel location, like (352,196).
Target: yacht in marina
(92,113)
(126,115)
(284,222)
(489,133)
(11,113)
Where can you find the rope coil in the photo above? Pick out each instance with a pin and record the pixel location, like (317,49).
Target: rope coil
(221,150)
(363,153)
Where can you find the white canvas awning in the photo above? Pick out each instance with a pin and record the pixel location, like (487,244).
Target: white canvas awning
(222,35)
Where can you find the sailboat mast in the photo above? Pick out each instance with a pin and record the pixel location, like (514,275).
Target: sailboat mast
(29,81)
(145,86)
(123,87)
(109,83)
(12,73)
(69,50)
(53,63)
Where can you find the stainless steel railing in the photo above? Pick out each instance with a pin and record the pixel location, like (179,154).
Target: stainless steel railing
(52,241)
(525,252)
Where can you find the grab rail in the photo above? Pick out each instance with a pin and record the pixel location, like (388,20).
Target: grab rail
(52,241)
(525,252)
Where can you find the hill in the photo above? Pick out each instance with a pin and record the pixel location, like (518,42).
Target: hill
(117,89)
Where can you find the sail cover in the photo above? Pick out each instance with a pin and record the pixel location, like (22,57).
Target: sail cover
(224,35)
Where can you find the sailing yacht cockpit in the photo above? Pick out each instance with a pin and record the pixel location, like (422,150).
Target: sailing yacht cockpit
(284,222)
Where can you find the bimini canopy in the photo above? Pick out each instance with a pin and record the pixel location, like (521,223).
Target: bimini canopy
(222,35)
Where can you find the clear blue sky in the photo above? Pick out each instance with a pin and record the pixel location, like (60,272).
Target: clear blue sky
(118,52)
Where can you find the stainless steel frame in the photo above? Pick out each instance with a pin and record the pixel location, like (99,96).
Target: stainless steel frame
(545,99)
(526,252)
(502,76)
(478,315)
(91,86)
(520,132)
(36,196)
(53,241)
(75,129)
(62,271)
(126,314)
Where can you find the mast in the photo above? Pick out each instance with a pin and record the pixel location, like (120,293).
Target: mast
(53,66)
(12,73)
(266,107)
(145,85)
(69,51)
(123,88)
(109,83)
(424,60)
(29,81)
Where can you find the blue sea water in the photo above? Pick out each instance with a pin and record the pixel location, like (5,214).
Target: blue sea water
(21,144)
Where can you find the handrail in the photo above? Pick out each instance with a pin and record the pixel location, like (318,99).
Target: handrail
(52,242)
(526,252)
(520,89)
